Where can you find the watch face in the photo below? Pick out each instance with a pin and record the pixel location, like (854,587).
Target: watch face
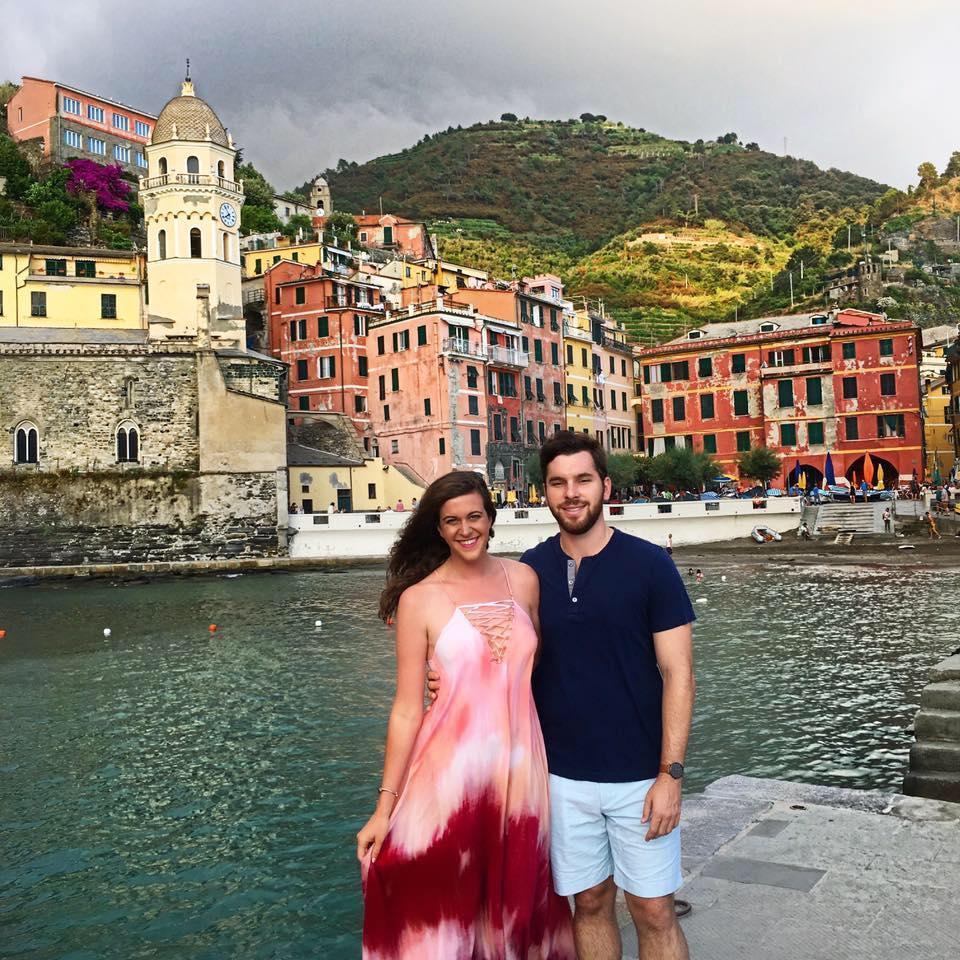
(228,215)
(676,770)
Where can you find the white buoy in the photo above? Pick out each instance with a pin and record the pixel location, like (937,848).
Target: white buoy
(723,577)
(701,599)
(106,631)
(318,623)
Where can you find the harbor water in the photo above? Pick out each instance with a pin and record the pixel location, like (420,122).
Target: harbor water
(168,791)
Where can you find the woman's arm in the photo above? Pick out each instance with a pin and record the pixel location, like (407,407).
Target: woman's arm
(405,718)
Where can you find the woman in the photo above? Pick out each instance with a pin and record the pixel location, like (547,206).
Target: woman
(455,860)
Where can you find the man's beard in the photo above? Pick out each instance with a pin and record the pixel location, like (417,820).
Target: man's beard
(582,525)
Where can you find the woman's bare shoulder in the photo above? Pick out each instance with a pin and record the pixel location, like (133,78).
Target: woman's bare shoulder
(522,576)
(418,594)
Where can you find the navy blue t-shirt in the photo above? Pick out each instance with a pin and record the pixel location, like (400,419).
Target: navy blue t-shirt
(597,686)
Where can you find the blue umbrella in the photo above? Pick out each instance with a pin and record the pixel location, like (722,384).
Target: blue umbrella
(796,471)
(828,471)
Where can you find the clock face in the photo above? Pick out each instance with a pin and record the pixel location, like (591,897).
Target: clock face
(228,215)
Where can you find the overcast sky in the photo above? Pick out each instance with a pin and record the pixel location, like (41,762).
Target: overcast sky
(863,85)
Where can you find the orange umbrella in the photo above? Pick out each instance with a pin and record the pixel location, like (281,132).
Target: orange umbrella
(868,469)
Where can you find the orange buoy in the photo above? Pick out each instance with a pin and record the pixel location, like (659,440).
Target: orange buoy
(212,628)
(3,633)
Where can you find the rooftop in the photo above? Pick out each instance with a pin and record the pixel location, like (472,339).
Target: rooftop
(93,96)
(70,335)
(187,117)
(92,252)
(299,455)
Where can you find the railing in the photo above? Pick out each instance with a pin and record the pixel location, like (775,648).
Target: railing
(508,358)
(463,348)
(343,303)
(254,296)
(196,179)
(577,333)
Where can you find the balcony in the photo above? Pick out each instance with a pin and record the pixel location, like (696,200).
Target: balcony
(454,346)
(576,333)
(345,303)
(191,179)
(504,357)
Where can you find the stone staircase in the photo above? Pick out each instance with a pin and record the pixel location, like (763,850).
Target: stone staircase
(935,757)
(857,518)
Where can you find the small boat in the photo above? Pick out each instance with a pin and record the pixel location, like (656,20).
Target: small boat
(764,534)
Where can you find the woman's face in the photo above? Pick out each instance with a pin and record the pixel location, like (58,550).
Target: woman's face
(465,526)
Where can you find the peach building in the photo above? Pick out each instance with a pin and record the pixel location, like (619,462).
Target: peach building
(69,123)
(428,406)
(388,232)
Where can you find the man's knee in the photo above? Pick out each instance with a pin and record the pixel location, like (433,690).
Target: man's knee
(597,900)
(655,914)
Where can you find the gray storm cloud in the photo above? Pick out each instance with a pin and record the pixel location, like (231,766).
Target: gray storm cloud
(863,86)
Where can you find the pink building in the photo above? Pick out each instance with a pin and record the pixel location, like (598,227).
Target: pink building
(69,123)
(427,372)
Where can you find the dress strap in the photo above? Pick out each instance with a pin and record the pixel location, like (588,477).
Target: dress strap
(506,577)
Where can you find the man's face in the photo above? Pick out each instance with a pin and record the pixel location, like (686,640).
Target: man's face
(575,492)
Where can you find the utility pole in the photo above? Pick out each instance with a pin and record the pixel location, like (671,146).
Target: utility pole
(848,237)
(801,271)
(784,146)
(791,289)
(696,206)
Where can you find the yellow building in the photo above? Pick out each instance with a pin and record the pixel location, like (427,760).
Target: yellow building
(441,273)
(578,348)
(70,287)
(258,261)
(318,479)
(937,424)
(613,373)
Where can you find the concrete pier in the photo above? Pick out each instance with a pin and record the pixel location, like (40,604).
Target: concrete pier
(802,872)
(935,757)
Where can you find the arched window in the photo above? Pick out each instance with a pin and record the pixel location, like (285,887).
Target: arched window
(195,249)
(162,244)
(221,169)
(162,163)
(128,442)
(26,443)
(193,170)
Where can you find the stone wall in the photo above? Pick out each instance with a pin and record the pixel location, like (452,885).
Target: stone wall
(76,396)
(935,757)
(51,519)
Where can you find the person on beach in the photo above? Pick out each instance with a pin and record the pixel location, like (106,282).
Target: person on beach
(614,689)
(669,546)
(699,575)
(887,516)
(455,859)
(930,521)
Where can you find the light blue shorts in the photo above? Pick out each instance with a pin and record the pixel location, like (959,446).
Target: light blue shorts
(595,831)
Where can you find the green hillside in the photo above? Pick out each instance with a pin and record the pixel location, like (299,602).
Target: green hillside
(591,200)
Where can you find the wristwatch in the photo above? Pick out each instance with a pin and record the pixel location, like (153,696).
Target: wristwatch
(674,769)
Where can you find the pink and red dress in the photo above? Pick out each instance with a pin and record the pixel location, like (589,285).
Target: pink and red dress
(464,871)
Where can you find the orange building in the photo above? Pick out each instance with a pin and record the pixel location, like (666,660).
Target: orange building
(388,232)
(72,123)
(318,325)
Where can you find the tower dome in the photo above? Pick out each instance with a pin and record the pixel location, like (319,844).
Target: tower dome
(187,117)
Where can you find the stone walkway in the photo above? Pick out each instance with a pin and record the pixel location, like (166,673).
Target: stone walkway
(788,871)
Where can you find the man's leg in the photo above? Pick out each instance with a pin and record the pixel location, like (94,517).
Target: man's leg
(595,927)
(658,930)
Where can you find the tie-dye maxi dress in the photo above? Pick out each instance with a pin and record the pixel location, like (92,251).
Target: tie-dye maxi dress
(464,871)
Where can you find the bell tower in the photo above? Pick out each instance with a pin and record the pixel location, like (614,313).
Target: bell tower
(320,198)
(191,205)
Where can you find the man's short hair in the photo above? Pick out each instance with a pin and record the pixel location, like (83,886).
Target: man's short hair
(566,443)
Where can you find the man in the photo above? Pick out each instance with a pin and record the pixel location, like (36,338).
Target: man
(614,689)
(886,520)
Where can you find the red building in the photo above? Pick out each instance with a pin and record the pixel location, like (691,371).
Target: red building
(846,383)
(318,325)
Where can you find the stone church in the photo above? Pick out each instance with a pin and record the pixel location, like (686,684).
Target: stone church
(156,435)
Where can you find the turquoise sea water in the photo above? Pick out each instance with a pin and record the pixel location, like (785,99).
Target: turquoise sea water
(168,792)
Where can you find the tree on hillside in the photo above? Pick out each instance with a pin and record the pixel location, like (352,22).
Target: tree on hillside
(14,166)
(508,117)
(760,464)
(927,173)
(728,138)
(340,227)
(953,166)
(301,223)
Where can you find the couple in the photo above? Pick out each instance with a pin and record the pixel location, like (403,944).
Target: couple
(456,859)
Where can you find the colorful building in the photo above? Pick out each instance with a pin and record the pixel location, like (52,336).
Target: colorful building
(67,122)
(616,427)
(937,425)
(846,383)
(318,325)
(70,287)
(428,409)
(387,232)
(953,382)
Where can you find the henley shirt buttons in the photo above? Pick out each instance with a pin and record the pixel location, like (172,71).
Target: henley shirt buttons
(574,599)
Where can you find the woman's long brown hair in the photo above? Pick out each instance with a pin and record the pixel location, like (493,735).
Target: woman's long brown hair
(419,549)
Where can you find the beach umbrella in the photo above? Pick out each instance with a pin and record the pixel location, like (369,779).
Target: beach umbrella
(868,469)
(802,482)
(879,476)
(828,473)
(937,477)
(796,472)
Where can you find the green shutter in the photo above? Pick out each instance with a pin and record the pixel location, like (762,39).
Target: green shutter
(814,391)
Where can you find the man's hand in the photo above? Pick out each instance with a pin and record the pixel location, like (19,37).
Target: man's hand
(661,808)
(433,684)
